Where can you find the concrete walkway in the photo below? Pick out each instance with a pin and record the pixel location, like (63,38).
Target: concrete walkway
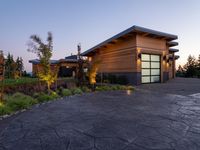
(157,116)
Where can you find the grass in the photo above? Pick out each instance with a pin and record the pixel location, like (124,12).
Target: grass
(66,92)
(19,101)
(26,80)
(114,87)
(43,97)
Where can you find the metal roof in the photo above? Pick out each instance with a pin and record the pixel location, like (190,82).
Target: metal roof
(37,61)
(133,29)
(71,57)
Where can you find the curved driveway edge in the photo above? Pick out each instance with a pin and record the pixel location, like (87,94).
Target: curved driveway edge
(149,118)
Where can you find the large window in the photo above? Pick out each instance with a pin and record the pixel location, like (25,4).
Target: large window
(150,68)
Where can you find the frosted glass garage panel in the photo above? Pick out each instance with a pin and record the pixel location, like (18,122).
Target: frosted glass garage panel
(155,78)
(145,57)
(155,64)
(155,58)
(155,71)
(146,79)
(145,64)
(145,72)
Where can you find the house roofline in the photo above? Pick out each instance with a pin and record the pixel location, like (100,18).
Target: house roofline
(133,29)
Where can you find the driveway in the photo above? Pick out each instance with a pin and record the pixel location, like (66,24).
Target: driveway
(157,116)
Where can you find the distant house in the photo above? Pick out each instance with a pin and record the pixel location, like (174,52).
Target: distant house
(139,54)
(67,67)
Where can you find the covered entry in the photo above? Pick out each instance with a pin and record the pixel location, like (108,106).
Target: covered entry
(150,68)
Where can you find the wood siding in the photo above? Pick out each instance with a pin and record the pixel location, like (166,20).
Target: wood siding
(122,55)
(117,57)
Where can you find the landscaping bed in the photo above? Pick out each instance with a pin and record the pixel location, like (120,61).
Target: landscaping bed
(20,101)
(32,85)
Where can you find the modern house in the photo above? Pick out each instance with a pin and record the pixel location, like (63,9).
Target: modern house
(67,67)
(139,54)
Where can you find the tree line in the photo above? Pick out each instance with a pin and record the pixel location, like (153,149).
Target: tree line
(190,69)
(13,68)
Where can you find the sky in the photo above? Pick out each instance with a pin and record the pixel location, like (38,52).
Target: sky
(90,22)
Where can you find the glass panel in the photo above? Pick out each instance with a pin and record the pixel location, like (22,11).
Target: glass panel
(155,64)
(155,58)
(155,71)
(145,64)
(155,78)
(145,57)
(146,79)
(145,71)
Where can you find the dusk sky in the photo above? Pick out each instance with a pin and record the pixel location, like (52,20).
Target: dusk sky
(90,22)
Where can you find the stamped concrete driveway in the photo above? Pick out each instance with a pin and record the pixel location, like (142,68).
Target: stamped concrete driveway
(157,116)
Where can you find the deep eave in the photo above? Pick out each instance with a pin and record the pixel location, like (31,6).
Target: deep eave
(173,50)
(133,29)
(37,61)
(172,43)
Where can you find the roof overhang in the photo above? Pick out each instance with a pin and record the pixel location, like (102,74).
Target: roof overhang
(132,30)
(171,43)
(174,57)
(68,60)
(173,50)
(37,61)
(177,57)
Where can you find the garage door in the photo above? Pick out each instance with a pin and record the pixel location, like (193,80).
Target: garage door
(150,68)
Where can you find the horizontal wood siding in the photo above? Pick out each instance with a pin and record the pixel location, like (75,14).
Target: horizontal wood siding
(118,57)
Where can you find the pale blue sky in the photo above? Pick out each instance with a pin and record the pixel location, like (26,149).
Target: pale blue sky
(92,21)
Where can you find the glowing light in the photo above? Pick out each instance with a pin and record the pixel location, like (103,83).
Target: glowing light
(128,92)
(1,104)
(89,59)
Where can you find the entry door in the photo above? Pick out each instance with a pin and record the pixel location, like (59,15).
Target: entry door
(150,68)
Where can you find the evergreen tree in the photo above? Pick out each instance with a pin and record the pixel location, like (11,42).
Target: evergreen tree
(191,67)
(9,66)
(19,66)
(180,71)
(198,66)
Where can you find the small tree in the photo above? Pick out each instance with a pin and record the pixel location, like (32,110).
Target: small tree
(92,73)
(44,52)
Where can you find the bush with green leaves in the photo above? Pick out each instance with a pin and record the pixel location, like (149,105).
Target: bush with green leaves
(4,109)
(66,92)
(43,97)
(19,101)
(77,91)
(113,87)
(85,89)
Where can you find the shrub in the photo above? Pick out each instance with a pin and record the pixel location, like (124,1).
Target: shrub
(77,91)
(43,97)
(103,88)
(4,110)
(114,87)
(20,101)
(85,89)
(66,92)
(130,88)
